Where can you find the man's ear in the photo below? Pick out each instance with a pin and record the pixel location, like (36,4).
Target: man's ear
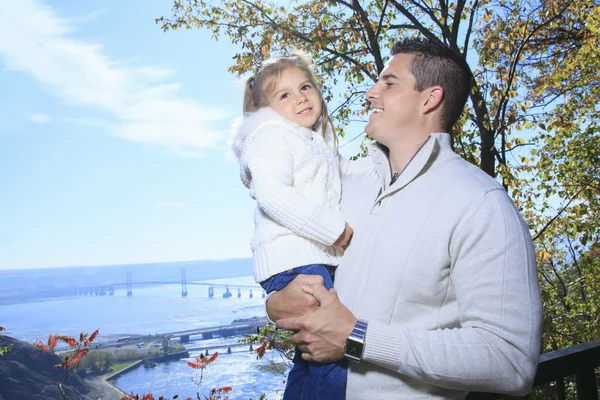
(433,99)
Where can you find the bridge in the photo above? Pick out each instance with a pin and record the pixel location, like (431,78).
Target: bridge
(237,327)
(208,350)
(109,289)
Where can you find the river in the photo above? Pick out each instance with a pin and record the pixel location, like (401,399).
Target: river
(159,309)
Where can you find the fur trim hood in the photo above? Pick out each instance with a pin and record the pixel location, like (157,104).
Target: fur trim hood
(250,124)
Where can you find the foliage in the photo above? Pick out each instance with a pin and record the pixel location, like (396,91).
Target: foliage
(127,354)
(70,360)
(98,362)
(200,364)
(271,338)
(4,350)
(166,344)
(148,396)
(531,119)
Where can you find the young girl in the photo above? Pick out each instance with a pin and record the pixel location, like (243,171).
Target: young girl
(289,161)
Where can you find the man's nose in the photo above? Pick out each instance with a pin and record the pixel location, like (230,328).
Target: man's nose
(371,94)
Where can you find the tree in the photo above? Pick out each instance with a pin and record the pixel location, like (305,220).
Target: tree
(269,337)
(166,344)
(530,122)
(98,362)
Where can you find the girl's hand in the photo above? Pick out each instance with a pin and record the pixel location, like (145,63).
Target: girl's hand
(343,241)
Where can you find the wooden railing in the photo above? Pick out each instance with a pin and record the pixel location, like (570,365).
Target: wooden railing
(579,361)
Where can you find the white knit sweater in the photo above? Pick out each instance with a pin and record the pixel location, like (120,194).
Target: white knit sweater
(443,268)
(293,173)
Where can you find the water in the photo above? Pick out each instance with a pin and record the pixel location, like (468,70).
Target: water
(238,370)
(152,310)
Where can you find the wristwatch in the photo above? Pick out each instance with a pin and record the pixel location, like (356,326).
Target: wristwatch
(355,344)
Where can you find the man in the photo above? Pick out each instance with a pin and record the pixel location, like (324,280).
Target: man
(438,289)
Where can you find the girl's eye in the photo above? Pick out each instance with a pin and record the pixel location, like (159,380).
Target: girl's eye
(306,87)
(284,96)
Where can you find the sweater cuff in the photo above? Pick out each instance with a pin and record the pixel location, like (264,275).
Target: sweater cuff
(324,226)
(383,345)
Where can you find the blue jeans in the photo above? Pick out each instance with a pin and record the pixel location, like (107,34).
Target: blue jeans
(311,381)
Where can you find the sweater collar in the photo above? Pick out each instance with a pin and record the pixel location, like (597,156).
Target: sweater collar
(437,147)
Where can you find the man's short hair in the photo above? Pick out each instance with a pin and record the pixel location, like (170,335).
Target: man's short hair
(436,64)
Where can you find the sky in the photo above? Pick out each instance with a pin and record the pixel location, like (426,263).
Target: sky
(115,137)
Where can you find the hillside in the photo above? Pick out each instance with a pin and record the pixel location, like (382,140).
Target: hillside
(27,374)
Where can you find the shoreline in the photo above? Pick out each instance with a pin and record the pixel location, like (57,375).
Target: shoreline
(107,390)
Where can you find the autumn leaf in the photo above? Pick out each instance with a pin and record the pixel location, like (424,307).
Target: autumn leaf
(52,342)
(93,336)
(260,351)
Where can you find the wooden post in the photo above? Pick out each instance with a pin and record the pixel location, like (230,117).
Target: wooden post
(585,382)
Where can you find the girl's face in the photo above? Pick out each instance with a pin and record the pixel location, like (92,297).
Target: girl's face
(295,98)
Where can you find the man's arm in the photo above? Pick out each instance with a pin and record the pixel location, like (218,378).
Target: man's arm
(497,345)
(292,300)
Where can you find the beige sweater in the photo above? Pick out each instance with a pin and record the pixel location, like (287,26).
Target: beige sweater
(443,267)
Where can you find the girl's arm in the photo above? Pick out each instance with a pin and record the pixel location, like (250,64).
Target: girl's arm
(344,165)
(270,161)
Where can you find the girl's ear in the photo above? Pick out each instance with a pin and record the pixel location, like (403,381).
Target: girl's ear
(433,98)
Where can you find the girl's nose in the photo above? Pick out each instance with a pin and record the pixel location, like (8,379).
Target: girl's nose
(302,98)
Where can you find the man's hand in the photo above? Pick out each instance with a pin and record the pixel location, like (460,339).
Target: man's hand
(321,335)
(292,301)
(343,241)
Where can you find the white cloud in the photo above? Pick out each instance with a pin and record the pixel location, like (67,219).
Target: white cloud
(40,118)
(143,105)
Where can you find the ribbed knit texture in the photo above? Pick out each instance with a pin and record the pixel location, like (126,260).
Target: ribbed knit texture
(293,174)
(443,267)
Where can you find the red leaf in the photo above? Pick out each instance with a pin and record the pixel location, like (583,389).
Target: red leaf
(52,342)
(261,350)
(94,336)
(41,346)
(197,365)
(225,389)
(66,339)
(212,358)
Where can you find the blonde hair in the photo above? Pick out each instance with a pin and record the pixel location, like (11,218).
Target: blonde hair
(258,86)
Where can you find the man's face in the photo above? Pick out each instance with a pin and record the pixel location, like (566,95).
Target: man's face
(394,101)
(296,99)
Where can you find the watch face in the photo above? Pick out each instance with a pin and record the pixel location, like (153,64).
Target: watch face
(354,349)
